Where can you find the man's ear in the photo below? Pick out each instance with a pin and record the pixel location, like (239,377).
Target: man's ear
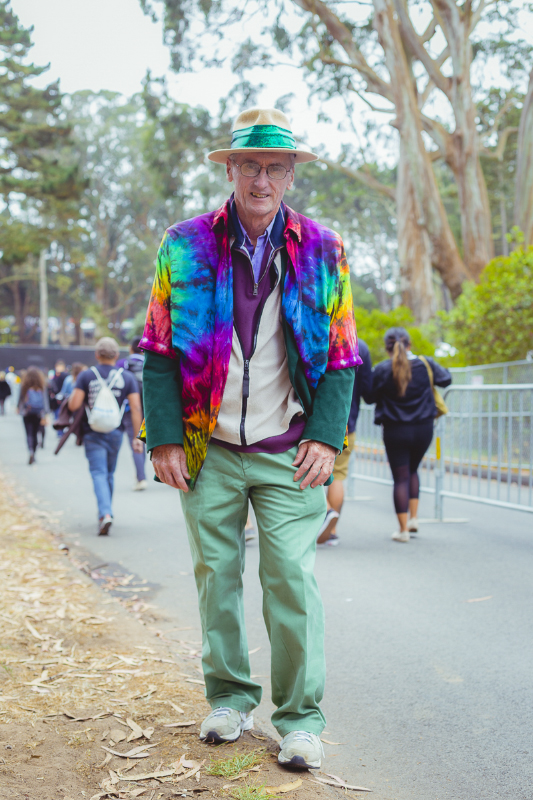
(229,172)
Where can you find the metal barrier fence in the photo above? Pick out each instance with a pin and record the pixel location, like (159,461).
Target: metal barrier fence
(482,449)
(506,372)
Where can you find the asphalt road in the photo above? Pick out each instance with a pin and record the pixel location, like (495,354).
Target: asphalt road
(429,694)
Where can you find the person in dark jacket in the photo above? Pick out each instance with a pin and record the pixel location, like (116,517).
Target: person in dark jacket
(5,391)
(405,407)
(33,406)
(335,492)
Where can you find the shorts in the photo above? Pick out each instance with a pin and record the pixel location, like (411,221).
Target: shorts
(340,470)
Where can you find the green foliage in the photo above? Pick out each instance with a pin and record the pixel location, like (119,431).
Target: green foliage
(372,326)
(230,767)
(493,320)
(252,791)
(40,181)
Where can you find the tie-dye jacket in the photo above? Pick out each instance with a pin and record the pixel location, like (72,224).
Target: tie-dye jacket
(190,314)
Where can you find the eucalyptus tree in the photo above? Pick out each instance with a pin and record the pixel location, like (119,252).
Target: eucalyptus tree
(419,58)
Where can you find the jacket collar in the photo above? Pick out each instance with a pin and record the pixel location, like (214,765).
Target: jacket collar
(286,223)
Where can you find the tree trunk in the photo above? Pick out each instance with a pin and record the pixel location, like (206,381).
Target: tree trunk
(414,247)
(524,168)
(476,227)
(444,254)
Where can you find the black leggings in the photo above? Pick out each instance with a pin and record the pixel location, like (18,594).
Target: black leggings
(32,423)
(406,444)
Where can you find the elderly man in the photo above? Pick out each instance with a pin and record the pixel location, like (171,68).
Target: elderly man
(101,448)
(250,348)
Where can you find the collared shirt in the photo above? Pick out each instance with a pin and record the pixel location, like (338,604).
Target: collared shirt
(256,255)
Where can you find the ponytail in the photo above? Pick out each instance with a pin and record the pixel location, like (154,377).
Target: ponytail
(401,368)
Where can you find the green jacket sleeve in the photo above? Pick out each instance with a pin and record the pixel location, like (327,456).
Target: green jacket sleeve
(162,400)
(331,407)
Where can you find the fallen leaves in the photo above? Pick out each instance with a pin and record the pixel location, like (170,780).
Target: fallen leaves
(285,787)
(339,783)
(137,752)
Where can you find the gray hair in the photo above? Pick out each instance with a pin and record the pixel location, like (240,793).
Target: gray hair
(107,348)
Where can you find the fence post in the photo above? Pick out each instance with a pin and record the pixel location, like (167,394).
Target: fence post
(439,469)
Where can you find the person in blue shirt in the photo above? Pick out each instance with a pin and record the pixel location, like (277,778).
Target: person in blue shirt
(102,449)
(335,492)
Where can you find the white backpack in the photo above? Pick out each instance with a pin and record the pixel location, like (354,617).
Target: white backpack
(105,415)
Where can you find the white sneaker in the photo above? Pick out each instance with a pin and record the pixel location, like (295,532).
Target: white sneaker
(401,536)
(301,750)
(139,486)
(225,725)
(412,525)
(104,524)
(327,526)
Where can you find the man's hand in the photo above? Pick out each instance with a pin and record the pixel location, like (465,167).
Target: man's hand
(170,465)
(317,459)
(138,446)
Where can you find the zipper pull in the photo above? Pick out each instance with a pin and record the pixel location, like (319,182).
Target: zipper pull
(246,380)
(256,287)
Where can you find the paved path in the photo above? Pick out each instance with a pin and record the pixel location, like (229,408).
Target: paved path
(430,695)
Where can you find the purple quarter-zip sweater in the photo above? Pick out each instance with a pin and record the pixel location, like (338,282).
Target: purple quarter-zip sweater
(249,298)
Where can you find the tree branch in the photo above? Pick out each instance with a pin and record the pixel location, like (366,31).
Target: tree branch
(415,43)
(498,116)
(498,152)
(369,104)
(342,34)
(430,31)
(363,176)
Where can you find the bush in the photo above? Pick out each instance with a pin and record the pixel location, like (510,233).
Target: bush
(372,326)
(493,320)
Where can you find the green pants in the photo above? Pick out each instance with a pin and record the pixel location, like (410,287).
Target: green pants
(288,520)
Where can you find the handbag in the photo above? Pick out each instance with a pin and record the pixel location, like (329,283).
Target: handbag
(440,405)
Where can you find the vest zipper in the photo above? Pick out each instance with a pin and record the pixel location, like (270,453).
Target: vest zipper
(246,372)
(245,395)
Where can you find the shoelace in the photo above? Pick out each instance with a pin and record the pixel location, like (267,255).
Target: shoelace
(221,712)
(303,736)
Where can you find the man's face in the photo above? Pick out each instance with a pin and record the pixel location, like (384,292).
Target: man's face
(259,196)
(60,367)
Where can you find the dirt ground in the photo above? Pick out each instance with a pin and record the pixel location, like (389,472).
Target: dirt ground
(84,683)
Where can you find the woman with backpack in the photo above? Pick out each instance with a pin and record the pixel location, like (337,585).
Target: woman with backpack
(33,406)
(402,389)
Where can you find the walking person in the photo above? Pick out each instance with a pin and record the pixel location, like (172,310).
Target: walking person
(402,389)
(55,386)
(335,492)
(70,380)
(5,391)
(250,348)
(102,447)
(134,364)
(33,406)
(14,384)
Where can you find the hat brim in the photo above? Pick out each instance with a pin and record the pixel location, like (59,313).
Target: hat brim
(302,156)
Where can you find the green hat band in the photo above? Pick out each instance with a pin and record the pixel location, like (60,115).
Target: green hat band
(263,136)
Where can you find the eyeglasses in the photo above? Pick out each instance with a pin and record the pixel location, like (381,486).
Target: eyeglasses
(250,169)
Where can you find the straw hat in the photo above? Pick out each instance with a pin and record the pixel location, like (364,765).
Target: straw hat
(264,130)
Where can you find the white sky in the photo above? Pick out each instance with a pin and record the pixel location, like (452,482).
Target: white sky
(109,44)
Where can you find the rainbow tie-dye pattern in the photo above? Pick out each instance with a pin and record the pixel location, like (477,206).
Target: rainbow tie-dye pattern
(190,314)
